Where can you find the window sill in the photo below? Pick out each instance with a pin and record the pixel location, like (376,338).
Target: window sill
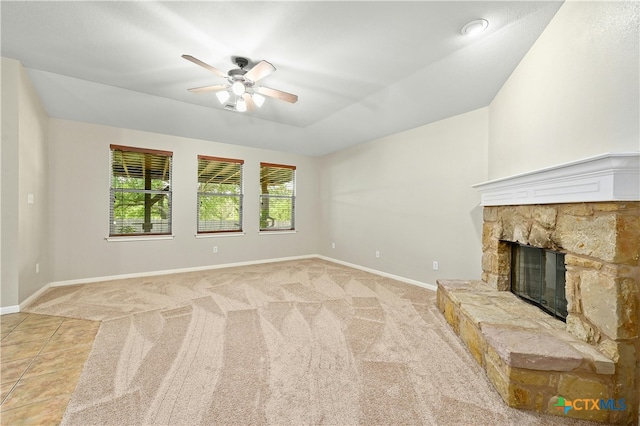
(277,232)
(220,235)
(139,238)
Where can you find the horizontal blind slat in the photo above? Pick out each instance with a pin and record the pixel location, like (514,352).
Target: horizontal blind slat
(220,196)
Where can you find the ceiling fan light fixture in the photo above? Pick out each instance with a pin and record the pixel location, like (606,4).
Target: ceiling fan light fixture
(238,88)
(241,105)
(223,96)
(475,27)
(258,99)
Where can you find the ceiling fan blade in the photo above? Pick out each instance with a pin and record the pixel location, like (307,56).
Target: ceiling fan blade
(206,66)
(251,106)
(278,94)
(204,89)
(261,70)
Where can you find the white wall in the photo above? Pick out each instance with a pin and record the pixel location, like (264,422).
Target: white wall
(79,206)
(9,275)
(574,95)
(33,180)
(409,196)
(25,234)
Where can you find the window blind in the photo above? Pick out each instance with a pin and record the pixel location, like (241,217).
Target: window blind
(140,191)
(277,197)
(220,194)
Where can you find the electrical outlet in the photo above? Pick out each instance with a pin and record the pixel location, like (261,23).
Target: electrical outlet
(215,249)
(37,268)
(333,245)
(435,265)
(377,253)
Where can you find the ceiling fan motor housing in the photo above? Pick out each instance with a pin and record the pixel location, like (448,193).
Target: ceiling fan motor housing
(237,74)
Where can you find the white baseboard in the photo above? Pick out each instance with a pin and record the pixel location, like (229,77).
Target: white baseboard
(34,296)
(10,309)
(384,274)
(18,308)
(175,271)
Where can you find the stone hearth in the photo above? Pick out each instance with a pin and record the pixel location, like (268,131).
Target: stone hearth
(527,354)
(590,211)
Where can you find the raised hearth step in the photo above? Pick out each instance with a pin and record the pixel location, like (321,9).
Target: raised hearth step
(527,354)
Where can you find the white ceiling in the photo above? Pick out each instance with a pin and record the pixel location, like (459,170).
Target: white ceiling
(362,70)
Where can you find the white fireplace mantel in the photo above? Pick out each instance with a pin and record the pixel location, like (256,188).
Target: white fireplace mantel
(606,177)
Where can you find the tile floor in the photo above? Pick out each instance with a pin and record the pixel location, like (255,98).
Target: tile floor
(41,358)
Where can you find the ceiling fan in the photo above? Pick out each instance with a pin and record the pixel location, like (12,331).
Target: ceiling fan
(241,85)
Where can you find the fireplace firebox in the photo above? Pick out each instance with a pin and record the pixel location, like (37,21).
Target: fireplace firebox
(538,277)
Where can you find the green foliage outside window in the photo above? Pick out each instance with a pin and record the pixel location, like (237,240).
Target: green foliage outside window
(219,194)
(140,192)
(277,201)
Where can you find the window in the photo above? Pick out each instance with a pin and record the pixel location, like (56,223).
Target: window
(140,192)
(277,199)
(219,194)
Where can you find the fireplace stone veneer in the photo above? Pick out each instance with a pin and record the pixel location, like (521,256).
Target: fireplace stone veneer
(598,230)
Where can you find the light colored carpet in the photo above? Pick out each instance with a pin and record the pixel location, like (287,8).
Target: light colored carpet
(288,343)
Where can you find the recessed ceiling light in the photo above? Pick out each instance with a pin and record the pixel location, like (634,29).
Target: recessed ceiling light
(474,28)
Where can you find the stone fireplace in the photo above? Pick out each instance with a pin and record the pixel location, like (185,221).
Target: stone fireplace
(589,211)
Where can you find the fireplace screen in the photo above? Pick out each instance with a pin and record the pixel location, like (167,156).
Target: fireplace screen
(537,276)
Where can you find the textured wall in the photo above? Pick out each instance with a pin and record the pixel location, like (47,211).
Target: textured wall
(409,197)
(574,95)
(33,180)
(25,233)
(9,217)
